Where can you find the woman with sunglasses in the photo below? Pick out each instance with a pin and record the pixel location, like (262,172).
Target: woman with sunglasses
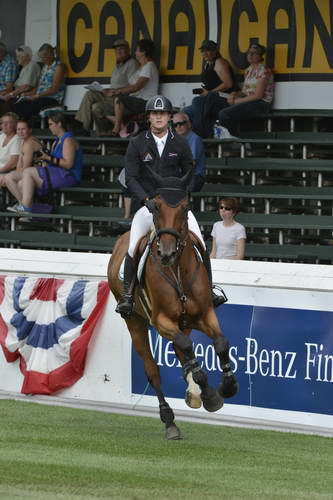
(217,78)
(228,235)
(256,95)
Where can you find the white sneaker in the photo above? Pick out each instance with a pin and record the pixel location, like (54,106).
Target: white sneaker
(14,208)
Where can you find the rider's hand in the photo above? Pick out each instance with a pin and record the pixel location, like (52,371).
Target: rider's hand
(150,204)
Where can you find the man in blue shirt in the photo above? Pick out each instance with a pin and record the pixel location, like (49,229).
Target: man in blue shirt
(8,70)
(183,126)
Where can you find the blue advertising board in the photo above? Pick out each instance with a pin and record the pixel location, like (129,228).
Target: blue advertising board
(283,358)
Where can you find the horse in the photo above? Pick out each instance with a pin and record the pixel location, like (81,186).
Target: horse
(174,296)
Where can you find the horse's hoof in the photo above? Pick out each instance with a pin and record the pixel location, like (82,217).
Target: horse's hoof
(229,386)
(173,432)
(212,400)
(193,400)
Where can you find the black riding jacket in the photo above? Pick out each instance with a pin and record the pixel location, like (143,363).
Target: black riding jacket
(142,152)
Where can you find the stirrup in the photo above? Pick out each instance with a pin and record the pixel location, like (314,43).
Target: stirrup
(125,308)
(220,298)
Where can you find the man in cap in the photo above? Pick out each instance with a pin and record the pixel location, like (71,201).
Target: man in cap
(95,105)
(8,70)
(168,155)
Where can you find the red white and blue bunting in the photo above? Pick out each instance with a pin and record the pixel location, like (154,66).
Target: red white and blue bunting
(47,324)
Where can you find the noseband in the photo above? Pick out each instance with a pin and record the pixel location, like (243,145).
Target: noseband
(171,231)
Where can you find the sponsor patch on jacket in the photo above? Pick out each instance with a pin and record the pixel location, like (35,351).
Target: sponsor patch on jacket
(147,157)
(172,155)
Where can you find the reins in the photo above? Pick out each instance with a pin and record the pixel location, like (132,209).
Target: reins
(175,281)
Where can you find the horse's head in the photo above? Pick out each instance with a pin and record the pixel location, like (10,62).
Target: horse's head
(170,217)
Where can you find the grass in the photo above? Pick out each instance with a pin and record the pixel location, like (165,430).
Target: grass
(51,452)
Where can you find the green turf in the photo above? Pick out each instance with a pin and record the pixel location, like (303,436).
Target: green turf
(61,453)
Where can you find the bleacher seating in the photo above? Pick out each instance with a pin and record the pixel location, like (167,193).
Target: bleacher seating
(286,196)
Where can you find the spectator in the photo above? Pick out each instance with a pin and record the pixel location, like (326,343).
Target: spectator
(217,77)
(10,145)
(183,127)
(143,85)
(27,80)
(97,105)
(51,87)
(256,95)
(8,70)
(29,148)
(63,166)
(228,235)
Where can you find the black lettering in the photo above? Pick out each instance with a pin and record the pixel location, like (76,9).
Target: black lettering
(140,28)
(78,63)
(236,55)
(313,19)
(110,9)
(277,36)
(181,38)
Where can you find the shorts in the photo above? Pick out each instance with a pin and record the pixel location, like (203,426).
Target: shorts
(60,177)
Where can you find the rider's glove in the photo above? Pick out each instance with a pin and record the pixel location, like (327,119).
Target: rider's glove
(150,204)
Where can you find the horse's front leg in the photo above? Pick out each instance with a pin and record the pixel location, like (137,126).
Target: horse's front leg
(139,333)
(229,385)
(211,399)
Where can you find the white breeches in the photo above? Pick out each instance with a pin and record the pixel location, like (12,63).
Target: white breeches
(143,220)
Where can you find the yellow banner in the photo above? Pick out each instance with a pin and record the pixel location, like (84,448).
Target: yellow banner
(298,35)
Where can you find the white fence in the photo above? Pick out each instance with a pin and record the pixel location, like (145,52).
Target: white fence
(281,381)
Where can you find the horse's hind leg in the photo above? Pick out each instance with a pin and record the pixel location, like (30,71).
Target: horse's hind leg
(139,333)
(211,399)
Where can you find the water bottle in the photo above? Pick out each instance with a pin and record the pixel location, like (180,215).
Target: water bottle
(217,130)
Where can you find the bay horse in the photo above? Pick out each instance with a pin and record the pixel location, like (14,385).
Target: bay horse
(174,296)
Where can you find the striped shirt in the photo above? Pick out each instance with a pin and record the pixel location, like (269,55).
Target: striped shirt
(8,71)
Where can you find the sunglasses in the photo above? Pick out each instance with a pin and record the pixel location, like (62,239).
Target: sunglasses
(180,124)
(227,209)
(253,53)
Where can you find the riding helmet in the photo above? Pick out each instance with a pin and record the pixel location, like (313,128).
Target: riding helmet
(158,103)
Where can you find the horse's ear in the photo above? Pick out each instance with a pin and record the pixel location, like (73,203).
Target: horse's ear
(186,178)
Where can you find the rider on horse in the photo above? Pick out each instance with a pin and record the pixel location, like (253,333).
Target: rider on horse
(169,155)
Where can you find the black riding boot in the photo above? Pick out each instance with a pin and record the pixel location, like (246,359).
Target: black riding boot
(217,299)
(125,307)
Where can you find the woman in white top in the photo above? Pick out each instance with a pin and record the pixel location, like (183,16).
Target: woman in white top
(228,235)
(10,145)
(143,85)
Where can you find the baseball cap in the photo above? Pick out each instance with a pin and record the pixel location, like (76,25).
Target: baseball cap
(208,45)
(120,43)
(25,50)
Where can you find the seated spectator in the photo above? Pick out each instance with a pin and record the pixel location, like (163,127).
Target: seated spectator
(95,105)
(228,235)
(30,147)
(62,168)
(51,87)
(27,80)
(256,95)
(182,125)
(217,76)
(143,85)
(10,145)
(8,70)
